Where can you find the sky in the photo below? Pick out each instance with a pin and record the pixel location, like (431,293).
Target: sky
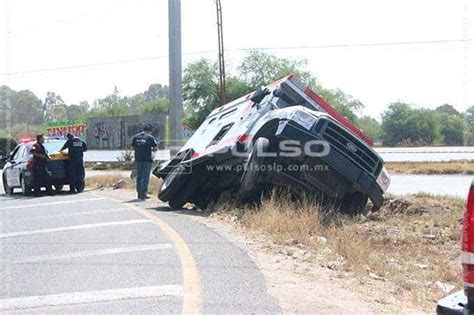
(82,49)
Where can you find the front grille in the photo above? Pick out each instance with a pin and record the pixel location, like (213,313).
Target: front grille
(350,146)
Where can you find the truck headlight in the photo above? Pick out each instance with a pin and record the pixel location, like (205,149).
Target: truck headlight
(383,180)
(304,119)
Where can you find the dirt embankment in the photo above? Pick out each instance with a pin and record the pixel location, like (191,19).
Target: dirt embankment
(407,251)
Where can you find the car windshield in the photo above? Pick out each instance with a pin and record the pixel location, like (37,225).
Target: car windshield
(54,146)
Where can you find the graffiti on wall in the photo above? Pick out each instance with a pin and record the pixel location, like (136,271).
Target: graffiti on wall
(117,132)
(106,135)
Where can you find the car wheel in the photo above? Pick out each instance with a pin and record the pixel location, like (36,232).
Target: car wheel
(26,189)
(8,189)
(173,183)
(81,186)
(252,175)
(354,204)
(58,187)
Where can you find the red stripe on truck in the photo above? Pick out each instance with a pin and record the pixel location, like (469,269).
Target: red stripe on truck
(335,114)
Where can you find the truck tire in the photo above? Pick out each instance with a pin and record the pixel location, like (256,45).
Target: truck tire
(8,189)
(183,197)
(252,173)
(354,204)
(58,187)
(172,184)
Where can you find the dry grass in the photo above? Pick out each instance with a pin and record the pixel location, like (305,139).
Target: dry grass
(402,250)
(108,181)
(284,219)
(431,168)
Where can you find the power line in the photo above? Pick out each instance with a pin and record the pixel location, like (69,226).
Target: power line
(404,43)
(202,52)
(86,65)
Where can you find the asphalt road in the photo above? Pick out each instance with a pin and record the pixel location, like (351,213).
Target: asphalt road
(93,253)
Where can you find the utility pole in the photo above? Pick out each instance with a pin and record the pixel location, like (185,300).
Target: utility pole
(175,71)
(220,35)
(8,61)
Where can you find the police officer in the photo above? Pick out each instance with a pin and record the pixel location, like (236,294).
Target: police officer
(76,174)
(144,143)
(40,171)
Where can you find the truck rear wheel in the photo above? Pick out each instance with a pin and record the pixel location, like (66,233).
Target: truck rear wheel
(354,204)
(253,168)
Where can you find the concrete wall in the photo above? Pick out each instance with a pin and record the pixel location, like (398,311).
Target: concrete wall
(117,132)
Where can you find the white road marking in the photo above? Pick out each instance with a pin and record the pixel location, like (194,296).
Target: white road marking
(89,253)
(90,297)
(72,228)
(37,205)
(69,214)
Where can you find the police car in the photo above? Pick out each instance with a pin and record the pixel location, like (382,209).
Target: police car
(18,173)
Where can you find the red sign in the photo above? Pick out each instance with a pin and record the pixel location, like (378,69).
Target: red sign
(62,131)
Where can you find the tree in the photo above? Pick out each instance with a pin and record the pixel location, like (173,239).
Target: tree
(112,105)
(402,124)
(343,103)
(160,105)
(371,127)
(469,118)
(6,99)
(201,87)
(448,109)
(20,129)
(236,88)
(259,68)
(393,120)
(54,108)
(26,107)
(200,90)
(156,91)
(78,112)
(453,129)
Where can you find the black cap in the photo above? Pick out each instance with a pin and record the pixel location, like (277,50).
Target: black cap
(70,136)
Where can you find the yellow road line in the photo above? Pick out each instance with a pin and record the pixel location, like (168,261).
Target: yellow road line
(191,278)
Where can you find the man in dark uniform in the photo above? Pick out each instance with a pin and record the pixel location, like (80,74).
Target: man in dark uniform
(40,171)
(76,174)
(144,143)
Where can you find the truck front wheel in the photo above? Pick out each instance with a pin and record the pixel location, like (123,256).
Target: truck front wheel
(354,203)
(172,184)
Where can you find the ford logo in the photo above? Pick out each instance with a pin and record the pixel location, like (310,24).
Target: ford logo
(351,146)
